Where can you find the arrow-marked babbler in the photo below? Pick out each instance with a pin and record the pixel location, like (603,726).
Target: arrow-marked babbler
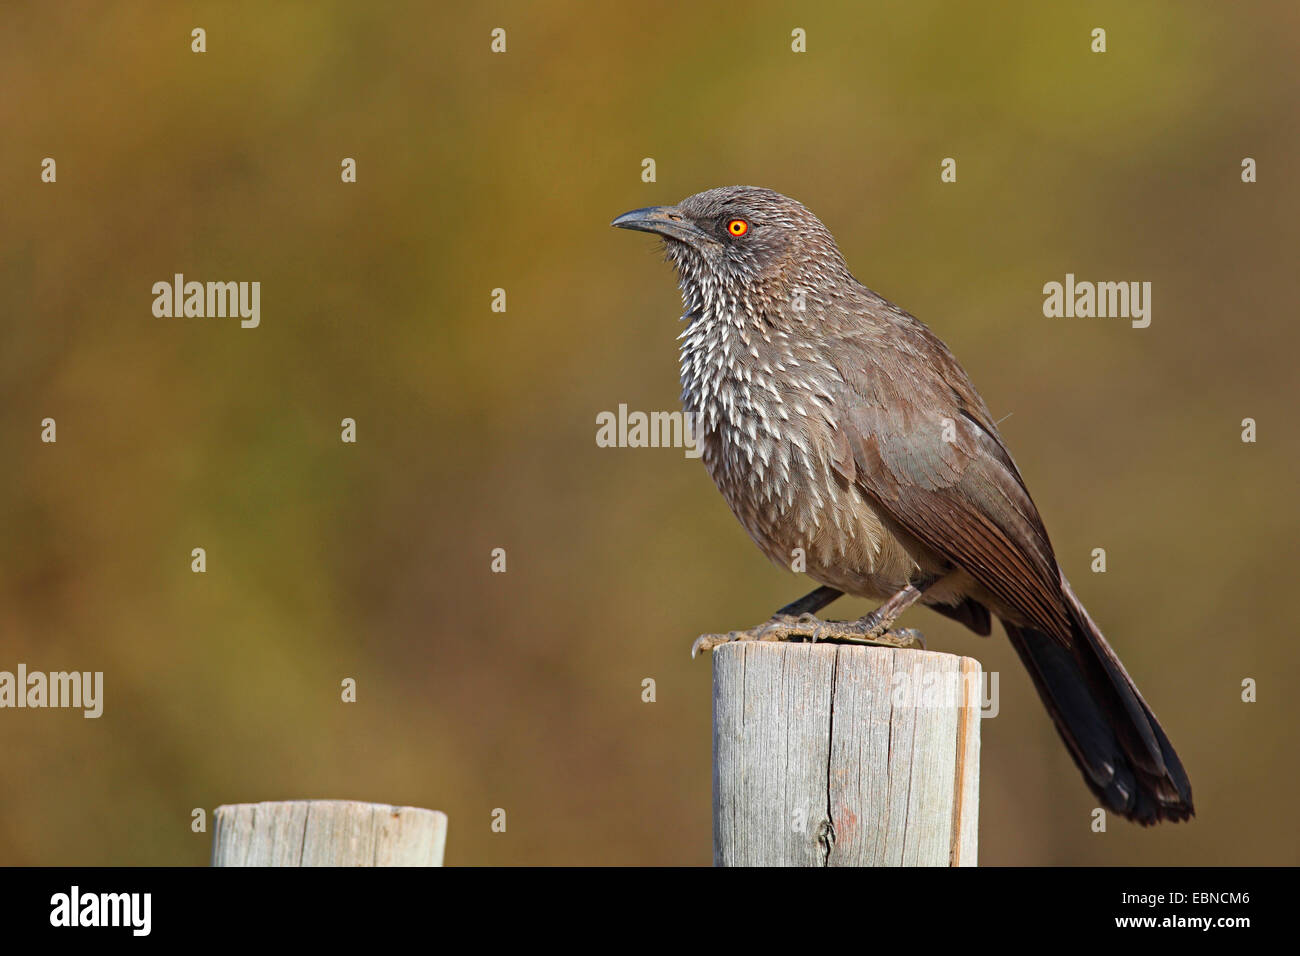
(836,423)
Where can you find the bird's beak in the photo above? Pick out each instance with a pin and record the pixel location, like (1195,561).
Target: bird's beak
(667,221)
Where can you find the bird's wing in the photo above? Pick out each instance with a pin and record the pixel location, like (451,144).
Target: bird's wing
(916,437)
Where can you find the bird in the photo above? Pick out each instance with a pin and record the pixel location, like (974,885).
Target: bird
(842,431)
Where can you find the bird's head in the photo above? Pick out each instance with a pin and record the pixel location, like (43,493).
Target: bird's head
(741,247)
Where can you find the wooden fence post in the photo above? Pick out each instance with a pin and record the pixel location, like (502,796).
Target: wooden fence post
(844,755)
(327,833)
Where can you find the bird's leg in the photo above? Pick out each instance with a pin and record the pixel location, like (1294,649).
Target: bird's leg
(810,603)
(796,622)
(875,628)
(882,618)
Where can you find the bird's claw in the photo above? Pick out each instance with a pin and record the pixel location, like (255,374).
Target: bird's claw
(773,630)
(808,627)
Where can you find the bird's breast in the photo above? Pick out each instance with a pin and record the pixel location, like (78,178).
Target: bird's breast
(767,428)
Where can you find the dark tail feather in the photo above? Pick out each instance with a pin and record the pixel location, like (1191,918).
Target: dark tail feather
(1126,759)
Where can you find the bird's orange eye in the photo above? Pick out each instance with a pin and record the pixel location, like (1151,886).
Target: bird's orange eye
(737,227)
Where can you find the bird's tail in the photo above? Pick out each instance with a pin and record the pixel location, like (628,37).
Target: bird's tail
(1126,759)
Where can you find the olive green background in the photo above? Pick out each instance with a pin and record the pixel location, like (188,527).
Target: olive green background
(477,430)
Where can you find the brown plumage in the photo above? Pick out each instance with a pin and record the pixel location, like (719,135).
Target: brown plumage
(834,422)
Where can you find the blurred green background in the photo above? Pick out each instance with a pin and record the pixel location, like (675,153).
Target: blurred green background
(476,430)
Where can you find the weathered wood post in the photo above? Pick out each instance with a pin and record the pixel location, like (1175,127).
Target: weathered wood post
(844,755)
(327,833)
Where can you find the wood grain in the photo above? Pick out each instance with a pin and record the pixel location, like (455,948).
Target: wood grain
(839,755)
(327,833)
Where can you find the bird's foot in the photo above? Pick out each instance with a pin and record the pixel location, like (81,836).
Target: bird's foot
(782,627)
(807,627)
